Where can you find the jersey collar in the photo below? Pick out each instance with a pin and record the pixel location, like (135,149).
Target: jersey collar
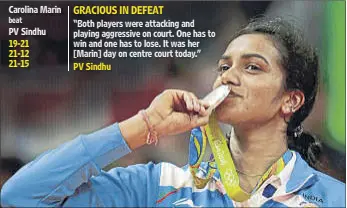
(296,175)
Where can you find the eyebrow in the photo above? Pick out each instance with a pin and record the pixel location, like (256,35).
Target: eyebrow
(224,57)
(254,55)
(245,56)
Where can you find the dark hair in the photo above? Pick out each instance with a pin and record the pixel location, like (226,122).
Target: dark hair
(300,62)
(10,165)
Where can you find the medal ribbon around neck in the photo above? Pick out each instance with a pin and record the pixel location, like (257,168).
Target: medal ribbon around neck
(222,160)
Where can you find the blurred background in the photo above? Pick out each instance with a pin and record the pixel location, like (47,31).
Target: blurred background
(46,105)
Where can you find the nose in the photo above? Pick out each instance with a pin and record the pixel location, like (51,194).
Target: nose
(231,76)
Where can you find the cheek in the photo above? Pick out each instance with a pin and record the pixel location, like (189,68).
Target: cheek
(225,113)
(265,98)
(261,100)
(260,94)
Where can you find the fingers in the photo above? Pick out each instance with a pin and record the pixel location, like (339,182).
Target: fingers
(194,104)
(204,111)
(205,103)
(190,102)
(201,121)
(186,111)
(189,121)
(197,120)
(195,101)
(202,114)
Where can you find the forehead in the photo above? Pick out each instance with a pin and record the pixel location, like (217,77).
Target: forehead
(253,43)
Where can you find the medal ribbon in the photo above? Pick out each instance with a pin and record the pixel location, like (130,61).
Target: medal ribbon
(222,160)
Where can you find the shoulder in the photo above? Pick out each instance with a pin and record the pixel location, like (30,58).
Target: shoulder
(318,188)
(327,190)
(328,180)
(329,183)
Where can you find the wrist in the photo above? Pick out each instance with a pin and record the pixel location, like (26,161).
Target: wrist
(155,119)
(134,131)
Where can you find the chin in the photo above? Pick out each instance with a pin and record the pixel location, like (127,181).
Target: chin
(226,115)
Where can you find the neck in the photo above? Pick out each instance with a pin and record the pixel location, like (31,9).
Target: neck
(255,149)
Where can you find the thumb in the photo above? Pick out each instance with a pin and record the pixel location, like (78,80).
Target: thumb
(202,120)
